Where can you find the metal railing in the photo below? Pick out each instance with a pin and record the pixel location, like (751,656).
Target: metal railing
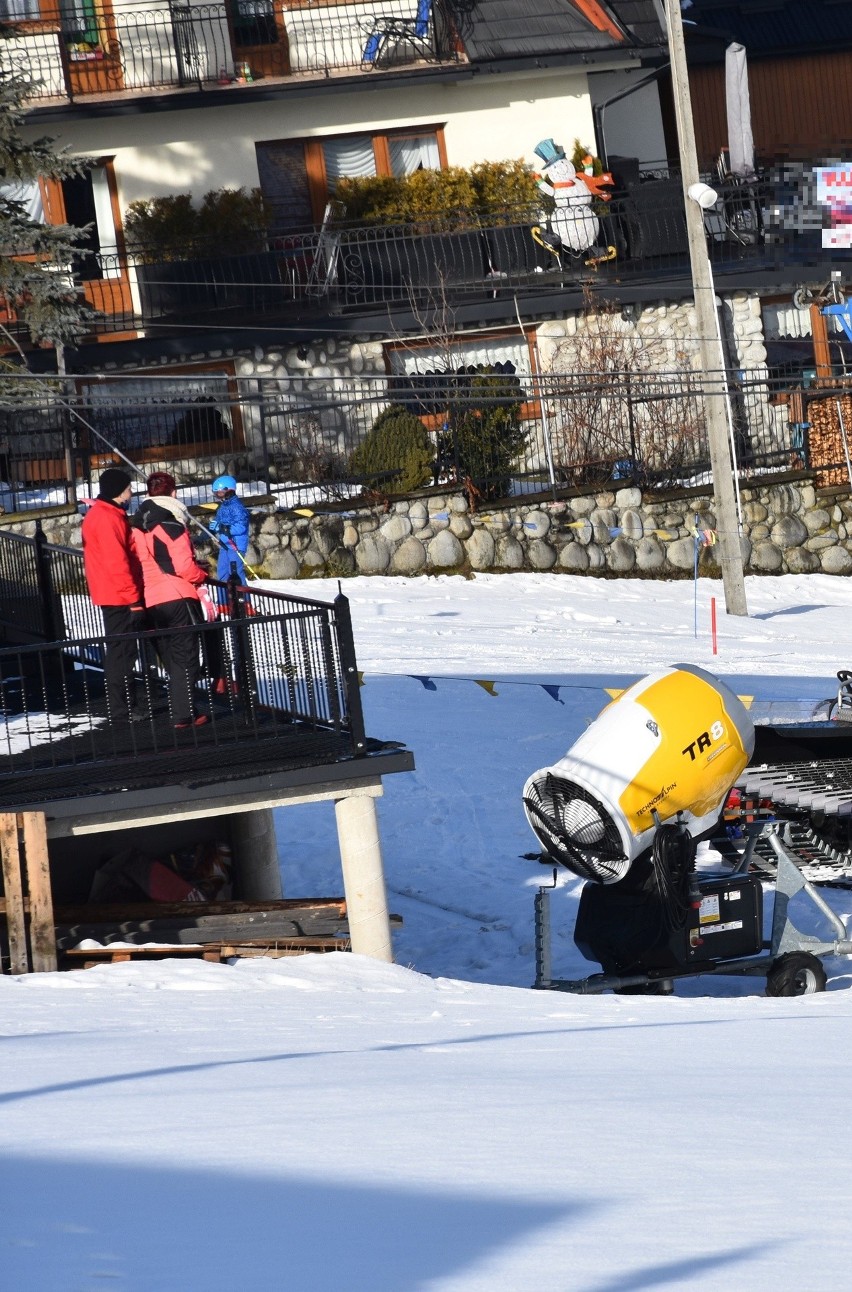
(637,239)
(275,676)
(312,442)
(199,46)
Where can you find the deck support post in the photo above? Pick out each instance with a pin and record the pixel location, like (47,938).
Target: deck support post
(363,877)
(255,849)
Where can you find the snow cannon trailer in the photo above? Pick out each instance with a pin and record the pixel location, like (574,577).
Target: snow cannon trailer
(675,760)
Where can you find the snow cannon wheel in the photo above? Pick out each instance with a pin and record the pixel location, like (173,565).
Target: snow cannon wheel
(796,974)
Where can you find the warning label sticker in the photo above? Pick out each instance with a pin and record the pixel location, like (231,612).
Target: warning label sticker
(708,911)
(724,928)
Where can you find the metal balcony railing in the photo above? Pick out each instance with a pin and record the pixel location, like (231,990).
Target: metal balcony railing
(276,678)
(198,46)
(636,241)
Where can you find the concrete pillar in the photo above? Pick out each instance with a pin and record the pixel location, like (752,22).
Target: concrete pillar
(363,877)
(255,851)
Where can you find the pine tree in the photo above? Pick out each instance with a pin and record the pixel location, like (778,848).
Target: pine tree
(36,284)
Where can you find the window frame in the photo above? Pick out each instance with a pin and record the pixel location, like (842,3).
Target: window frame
(155,453)
(318,190)
(530,408)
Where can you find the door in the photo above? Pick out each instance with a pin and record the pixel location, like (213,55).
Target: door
(258,38)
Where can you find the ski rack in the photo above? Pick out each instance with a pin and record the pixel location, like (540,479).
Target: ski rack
(785,938)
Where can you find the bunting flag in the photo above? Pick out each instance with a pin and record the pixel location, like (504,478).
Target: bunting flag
(706,537)
(489,685)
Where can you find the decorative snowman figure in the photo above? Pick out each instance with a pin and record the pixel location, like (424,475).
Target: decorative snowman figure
(572,219)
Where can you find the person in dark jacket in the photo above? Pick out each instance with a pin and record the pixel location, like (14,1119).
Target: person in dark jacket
(114,576)
(171,577)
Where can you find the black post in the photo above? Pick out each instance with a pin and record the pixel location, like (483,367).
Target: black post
(51,609)
(349,671)
(241,646)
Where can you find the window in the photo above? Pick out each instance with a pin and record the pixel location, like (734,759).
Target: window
(77,19)
(193,411)
(425,367)
(87,199)
(299,176)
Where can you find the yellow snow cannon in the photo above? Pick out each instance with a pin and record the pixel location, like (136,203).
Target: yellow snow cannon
(668,748)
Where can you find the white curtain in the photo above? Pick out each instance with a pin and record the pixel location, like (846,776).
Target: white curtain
(104,221)
(140,390)
(484,351)
(352,156)
(28,193)
(19,10)
(783,321)
(409,153)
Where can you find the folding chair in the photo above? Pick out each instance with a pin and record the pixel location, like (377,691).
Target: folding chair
(387,32)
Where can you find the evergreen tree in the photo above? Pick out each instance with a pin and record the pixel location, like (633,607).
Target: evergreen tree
(36,283)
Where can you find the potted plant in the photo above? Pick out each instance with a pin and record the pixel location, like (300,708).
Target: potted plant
(509,204)
(185,254)
(432,222)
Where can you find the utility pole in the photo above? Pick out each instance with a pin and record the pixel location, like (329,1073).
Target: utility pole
(715,411)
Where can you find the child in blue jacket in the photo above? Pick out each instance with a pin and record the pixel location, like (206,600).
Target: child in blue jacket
(231,526)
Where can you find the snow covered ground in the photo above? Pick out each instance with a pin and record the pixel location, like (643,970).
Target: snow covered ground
(437,1126)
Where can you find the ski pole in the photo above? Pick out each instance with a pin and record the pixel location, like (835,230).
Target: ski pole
(229,542)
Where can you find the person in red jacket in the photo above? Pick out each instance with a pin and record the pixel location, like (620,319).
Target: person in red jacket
(114,576)
(171,577)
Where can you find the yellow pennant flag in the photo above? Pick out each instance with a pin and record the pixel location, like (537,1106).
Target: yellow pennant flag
(486,686)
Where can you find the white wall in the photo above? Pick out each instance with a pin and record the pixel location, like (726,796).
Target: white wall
(210,147)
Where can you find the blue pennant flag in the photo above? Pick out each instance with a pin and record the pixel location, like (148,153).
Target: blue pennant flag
(427,682)
(552,691)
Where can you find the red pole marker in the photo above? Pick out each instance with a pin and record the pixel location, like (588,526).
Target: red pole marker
(713,625)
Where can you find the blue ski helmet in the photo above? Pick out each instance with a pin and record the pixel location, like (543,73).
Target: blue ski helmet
(223,482)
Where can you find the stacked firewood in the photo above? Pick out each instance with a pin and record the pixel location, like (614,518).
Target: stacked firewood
(827,446)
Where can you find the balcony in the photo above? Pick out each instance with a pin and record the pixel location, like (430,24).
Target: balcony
(631,248)
(277,681)
(188,48)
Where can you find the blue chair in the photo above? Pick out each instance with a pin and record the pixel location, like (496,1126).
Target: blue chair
(387,32)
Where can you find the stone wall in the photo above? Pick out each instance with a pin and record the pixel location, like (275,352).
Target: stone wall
(789,528)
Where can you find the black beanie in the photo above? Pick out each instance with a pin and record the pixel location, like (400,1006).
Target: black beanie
(112,482)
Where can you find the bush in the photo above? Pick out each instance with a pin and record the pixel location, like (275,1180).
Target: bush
(397,442)
(170,228)
(483,437)
(454,198)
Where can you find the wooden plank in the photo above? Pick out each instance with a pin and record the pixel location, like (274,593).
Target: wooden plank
(214,953)
(119,912)
(206,929)
(14,889)
(42,932)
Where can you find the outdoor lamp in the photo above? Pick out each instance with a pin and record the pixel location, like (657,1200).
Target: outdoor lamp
(703,194)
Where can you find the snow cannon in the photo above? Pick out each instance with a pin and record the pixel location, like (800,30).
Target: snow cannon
(668,748)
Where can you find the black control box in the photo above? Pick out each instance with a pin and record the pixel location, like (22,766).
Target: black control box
(725,921)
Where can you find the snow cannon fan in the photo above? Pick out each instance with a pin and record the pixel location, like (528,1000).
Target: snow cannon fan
(670,747)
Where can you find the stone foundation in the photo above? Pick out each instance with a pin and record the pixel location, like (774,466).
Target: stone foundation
(788,528)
